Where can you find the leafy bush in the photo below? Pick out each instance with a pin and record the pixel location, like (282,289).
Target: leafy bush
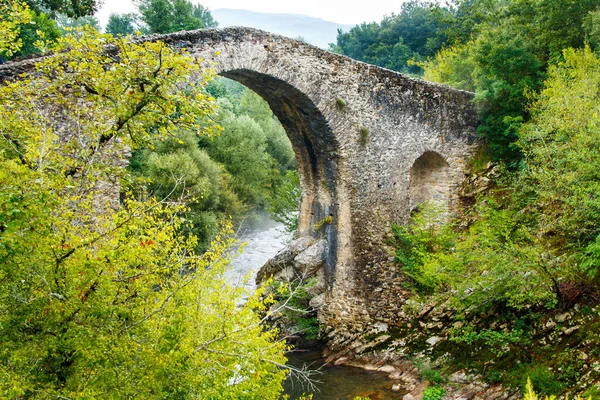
(434,393)
(475,268)
(426,235)
(540,379)
(530,393)
(497,341)
(101,299)
(427,372)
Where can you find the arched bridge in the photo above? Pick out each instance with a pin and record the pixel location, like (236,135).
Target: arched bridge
(371,144)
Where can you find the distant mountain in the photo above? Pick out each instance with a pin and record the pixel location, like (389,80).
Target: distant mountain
(314,30)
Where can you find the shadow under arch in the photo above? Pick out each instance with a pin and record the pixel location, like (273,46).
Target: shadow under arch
(313,144)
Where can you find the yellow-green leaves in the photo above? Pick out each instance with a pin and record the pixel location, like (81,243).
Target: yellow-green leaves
(14,13)
(562,155)
(101,297)
(136,89)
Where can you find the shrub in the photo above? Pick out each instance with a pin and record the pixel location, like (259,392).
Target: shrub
(434,393)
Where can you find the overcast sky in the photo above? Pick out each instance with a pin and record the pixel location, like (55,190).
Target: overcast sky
(340,11)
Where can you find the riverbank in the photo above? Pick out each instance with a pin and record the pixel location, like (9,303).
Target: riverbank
(329,381)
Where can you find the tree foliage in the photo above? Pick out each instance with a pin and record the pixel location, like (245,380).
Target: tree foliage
(36,35)
(562,158)
(101,300)
(70,8)
(231,175)
(23,30)
(177,170)
(14,16)
(501,50)
(203,14)
(122,24)
(253,146)
(164,16)
(416,32)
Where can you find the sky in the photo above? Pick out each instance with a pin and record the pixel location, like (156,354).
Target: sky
(340,11)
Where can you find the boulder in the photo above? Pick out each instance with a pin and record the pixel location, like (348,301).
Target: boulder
(311,259)
(285,258)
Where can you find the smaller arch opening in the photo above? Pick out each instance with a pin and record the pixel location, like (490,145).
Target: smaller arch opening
(429,181)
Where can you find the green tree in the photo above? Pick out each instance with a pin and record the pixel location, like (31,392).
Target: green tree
(101,300)
(14,17)
(41,29)
(453,66)
(241,148)
(562,158)
(70,8)
(177,170)
(253,146)
(506,69)
(156,14)
(416,32)
(592,28)
(122,24)
(553,25)
(66,22)
(220,176)
(203,14)
(164,16)
(278,145)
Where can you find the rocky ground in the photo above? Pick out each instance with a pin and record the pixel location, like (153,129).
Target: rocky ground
(419,352)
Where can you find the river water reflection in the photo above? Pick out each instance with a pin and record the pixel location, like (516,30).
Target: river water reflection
(339,382)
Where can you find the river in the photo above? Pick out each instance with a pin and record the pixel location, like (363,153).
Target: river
(333,382)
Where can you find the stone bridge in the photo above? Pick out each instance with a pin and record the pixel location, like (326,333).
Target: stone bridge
(371,144)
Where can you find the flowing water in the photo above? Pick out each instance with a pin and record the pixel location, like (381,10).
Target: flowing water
(261,244)
(331,382)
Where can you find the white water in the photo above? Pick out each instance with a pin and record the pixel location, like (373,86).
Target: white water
(261,245)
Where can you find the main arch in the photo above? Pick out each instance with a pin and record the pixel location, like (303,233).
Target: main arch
(357,130)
